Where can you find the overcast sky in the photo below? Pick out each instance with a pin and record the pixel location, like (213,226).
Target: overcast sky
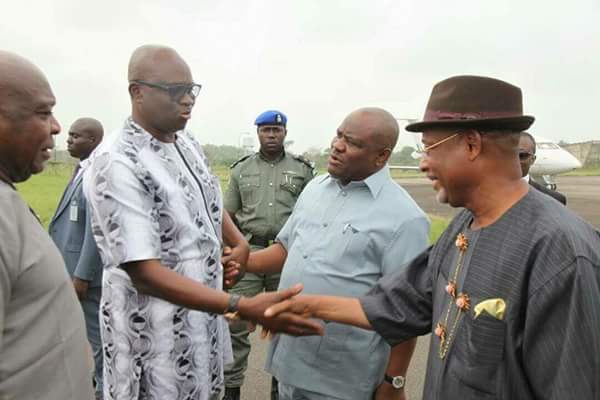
(316,60)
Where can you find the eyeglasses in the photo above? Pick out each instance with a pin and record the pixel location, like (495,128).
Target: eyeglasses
(524,155)
(424,151)
(176,90)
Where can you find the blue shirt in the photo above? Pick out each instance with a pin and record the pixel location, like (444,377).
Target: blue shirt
(340,241)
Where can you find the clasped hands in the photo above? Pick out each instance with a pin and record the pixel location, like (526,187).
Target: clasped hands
(234,261)
(254,309)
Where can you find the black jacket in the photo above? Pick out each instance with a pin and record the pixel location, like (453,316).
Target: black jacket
(552,193)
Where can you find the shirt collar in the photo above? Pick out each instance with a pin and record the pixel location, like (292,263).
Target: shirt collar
(83,164)
(374,182)
(526,178)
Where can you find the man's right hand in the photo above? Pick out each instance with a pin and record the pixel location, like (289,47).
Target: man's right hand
(344,310)
(298,305)
(253,309)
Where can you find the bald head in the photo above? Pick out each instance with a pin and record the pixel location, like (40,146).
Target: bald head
(381,125)
(363,144)
(160,87)
(27,125)
(84,136)
(20,83)
(149,62)
(89,126)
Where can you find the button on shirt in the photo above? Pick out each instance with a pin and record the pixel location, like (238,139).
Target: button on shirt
(262,193)
(340,241)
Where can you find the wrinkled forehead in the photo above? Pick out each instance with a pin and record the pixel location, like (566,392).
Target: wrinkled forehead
(358,125)
(32,93)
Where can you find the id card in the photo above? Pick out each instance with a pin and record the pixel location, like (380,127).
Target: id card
(73,211)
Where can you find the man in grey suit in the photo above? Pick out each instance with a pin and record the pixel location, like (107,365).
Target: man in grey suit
(71,231)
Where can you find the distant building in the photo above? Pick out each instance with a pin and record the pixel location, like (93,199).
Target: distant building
(248,142)
(588,153)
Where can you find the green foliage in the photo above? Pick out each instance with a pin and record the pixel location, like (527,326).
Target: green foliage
(438,226)
(222,155)
(42,192)
(402,157)
(586,171)
(222,172)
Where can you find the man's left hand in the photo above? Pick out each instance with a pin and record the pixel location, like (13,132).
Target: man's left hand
(234,264)
(386,391)
(81,287)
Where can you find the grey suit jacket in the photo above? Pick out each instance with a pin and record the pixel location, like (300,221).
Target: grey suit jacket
(73,238)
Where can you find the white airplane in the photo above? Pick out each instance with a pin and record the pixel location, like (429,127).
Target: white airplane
(551,160)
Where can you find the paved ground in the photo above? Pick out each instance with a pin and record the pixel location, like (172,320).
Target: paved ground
(583,197)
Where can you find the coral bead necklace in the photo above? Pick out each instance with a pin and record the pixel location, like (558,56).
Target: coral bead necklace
(461,301)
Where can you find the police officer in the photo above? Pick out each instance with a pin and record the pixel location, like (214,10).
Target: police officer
(263,189)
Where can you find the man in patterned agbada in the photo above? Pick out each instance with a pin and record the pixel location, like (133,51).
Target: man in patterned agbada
(158,220)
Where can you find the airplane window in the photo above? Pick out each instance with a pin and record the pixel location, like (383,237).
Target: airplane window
(547,146)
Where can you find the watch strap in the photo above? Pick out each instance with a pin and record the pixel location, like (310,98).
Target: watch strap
(232,303)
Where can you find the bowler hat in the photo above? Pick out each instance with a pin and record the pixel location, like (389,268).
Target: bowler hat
(474,102)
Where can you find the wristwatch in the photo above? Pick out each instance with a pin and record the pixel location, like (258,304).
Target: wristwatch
(397,382)
(232,304)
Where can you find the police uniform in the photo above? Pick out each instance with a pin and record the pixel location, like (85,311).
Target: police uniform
(261,196)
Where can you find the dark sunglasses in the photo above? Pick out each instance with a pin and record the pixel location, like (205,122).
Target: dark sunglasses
(176,90)
(524,155)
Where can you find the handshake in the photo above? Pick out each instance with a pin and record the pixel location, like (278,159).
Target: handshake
(278,312)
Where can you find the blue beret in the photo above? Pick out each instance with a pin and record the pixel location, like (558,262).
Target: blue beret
(271,117)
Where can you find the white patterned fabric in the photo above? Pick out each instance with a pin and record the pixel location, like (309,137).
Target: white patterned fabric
(156,200)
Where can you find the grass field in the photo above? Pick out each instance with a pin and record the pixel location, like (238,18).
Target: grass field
(587,171)
(438,225)
(42,192)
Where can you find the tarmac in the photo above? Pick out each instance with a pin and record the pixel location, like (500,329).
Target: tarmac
(583,197)
(582,192)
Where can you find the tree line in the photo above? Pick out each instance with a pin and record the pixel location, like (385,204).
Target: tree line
(225,155)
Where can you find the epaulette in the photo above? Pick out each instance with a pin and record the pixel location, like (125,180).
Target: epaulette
(309,164)
(240,160)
